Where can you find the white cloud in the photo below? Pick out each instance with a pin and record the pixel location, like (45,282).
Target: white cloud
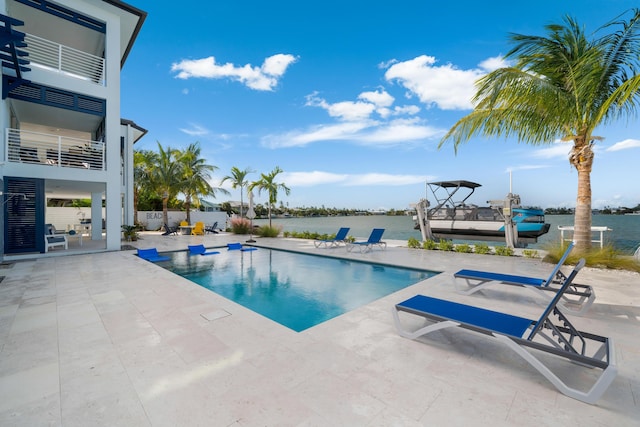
(378,98)
(345,110)
(357,125)
(309,179)
(624,145)
(364,133)
(196,130)
(446,86)
(558,149)
(492,64)
(264,77)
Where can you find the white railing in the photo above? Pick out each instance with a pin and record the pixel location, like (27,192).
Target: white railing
(64,59)
(53,150)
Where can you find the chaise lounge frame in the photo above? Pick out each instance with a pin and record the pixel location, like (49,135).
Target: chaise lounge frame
(553,334)
(577,299)
(341,237)
(373,240)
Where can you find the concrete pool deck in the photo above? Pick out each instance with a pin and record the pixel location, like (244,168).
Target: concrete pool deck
(110,339)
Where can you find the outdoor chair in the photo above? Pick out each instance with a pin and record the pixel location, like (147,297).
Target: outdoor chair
(169,230)
(552,334)
(212,229)
(152,255)
(579,297)
(198,229)
(200,250)
(373,240)
(340,237)
(54,238)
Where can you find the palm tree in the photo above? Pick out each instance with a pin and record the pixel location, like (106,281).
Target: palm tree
(267,183)
(237,179)
(196,174)
(143,163)
(561,86)
(167,176)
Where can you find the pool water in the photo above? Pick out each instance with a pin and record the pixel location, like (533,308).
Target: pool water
(296,290)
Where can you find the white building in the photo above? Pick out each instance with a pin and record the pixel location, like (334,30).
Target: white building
(60,116)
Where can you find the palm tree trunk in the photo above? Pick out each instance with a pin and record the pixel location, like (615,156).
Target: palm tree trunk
(582,225)
(582,159)
(165,210)
(187,205)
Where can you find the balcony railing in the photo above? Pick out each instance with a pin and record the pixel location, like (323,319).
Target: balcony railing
(65,59)
(53,150)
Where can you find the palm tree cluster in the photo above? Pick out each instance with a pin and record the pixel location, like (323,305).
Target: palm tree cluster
(266,183)
(561,86)
(170,172)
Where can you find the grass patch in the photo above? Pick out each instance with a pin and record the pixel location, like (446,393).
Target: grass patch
(606,257)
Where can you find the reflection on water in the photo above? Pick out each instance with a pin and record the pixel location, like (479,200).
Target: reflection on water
(297,290)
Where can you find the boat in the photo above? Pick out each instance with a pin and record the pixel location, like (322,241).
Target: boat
(451,217)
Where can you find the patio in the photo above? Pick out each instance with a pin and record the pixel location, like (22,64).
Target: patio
(110,339)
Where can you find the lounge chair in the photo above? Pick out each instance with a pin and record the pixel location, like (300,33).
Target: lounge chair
(552,333)
(198,229)
(200,250)
(212,229)
(239,247)
(152,255)
(341,237)
(374,240)
(169,230)
(579,296)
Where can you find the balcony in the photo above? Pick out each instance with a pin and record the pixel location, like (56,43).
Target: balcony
(53,150)
(64,59)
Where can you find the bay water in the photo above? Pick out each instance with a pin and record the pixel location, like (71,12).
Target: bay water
(624,234)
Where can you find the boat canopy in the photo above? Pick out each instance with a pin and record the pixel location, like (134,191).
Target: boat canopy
(451,184)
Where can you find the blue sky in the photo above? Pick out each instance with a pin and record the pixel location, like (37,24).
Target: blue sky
(350,98)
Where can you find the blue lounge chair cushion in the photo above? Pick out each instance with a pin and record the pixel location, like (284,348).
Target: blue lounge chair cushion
(505,278)
(200,250)
(151,255)
(239,247)
(449,310)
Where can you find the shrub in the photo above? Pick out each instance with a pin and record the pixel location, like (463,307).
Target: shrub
(504,251)
(413,243)
(445,245)
(530,253)
(482,249)
(463,248)
(266,231)
(429,244)
(240,226)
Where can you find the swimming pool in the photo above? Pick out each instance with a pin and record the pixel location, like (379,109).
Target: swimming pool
(294,289)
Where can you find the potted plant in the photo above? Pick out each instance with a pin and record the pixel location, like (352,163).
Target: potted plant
(130,232)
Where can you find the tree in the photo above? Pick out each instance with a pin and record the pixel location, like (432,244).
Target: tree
(167,176)
(196,174)
(237,179)
(143,163)
(560,86)
(267,183)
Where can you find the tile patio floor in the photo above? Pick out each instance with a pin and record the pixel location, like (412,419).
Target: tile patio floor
(110,339)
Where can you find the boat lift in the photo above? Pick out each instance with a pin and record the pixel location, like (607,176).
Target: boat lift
(507,205)
(504,207)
